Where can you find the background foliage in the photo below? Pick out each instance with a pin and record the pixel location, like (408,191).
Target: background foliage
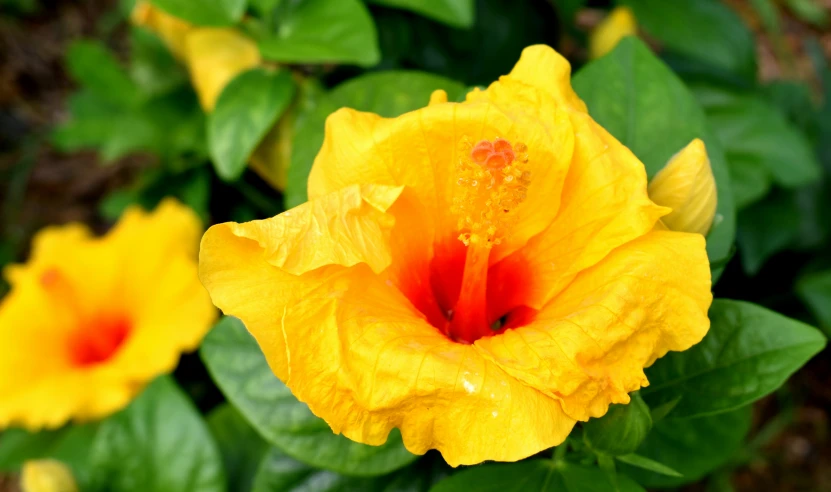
(98,115)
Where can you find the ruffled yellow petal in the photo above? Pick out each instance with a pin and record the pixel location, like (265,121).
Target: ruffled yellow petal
(144,272)
(617,25)
(588,346)
(548,72)
(604,205)
(420,150)
(382,356)
(374,284)
(214,57)
(47,476)
(687,186)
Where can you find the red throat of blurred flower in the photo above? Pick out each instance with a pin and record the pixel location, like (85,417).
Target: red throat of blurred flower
(93,339)
(491,183)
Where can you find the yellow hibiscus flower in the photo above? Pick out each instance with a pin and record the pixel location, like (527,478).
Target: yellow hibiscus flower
(480,275)
(89,321)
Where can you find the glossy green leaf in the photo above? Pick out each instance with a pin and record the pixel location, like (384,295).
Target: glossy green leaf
(322,31)
(245,111)
(815,290)
(241,447)
(621,430)
(643,104)
(692,447)
(280,472)
(705,30)
(96,69)
(757,134)
(766,228)
(748,353)
(457,13)
(159,443)
(240,370)
(536,475)
(204,12)
(386,93)
(639,461)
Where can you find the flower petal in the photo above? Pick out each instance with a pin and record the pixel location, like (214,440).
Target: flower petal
(541,67)
(349,344)
(588,346)
(144,270)
(604,205)
(420,150)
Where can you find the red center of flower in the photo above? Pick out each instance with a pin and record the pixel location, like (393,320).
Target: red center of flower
(467,297)
(99,340)
(94,339)
(497,303)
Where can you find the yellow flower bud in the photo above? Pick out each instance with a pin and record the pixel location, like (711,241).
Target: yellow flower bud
(172,30)
(687,186)
(617,25)
(47,476)
(214,57)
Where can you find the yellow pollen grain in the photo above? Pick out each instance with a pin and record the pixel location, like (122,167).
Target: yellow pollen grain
(487,195)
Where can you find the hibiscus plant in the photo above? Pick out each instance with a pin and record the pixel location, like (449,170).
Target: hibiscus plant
(446,245)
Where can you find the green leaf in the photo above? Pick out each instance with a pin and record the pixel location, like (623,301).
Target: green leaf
(621,430)
(692,447)
(705,30)
(809,11)
(240,370)
(536,475)
(457,13)
(169,125)
(246,109)
(204,12)
(322,31)
(748,353)
(750,181)
(766,228)
(386,93)
(69,444)
(152,66)
(643,104)
(158,444)
(93,66)
(815,290)
(280,472)
(647,464)
(241,447)
(756,134)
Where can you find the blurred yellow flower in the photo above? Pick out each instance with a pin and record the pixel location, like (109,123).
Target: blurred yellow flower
(480,275)
(617,25)
(214,57)
(47,476)
(89,321)
(687,186)
(172,30)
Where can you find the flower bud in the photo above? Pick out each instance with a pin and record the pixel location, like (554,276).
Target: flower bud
(172,30)
(687,186)
(47,476)
(617,25)
(214,57)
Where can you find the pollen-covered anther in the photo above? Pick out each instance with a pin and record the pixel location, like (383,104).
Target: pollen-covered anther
(492,180)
